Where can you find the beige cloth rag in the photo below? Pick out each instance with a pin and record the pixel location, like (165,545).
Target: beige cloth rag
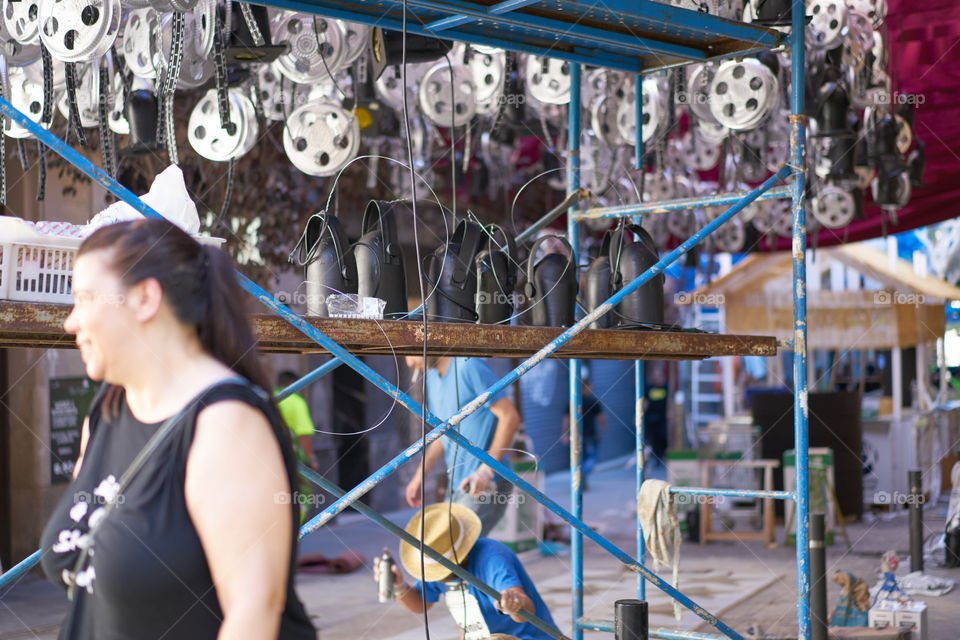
(661,531)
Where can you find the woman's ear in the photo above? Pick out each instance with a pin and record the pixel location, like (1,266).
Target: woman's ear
(145,299)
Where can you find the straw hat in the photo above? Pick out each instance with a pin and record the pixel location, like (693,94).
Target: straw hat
(443,522)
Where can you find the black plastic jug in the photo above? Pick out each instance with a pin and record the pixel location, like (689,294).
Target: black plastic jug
(496,267)
(552,286)
(833,110)
(452,278)
(141,110)
(380,266)
(629,261)
(330,264)
(598,284)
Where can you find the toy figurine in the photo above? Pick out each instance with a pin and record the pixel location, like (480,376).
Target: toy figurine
(854,603)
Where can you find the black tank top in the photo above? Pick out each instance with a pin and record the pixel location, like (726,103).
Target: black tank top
(148,576)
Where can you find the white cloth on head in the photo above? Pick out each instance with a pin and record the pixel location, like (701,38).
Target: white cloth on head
(167,196)
(661,531)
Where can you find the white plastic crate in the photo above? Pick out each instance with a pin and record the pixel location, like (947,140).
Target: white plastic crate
(31,272)
(38,273)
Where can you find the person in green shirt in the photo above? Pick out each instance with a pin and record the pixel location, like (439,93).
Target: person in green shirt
(296,415)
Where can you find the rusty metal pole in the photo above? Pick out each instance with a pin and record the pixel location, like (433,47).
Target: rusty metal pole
(818,578)
(631,620)
(915,480)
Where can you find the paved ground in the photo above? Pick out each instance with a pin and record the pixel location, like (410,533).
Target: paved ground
(745,583)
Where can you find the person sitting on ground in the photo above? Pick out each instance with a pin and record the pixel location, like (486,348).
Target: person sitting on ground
(453,530)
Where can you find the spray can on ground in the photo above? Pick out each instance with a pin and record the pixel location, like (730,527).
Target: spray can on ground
(385,586)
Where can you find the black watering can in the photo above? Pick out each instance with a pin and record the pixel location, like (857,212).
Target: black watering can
(833,110)
(379,257)
(141,110)
(598,284)
(330,265)
(496,269)
(452,277)
(628,262)
(552,286)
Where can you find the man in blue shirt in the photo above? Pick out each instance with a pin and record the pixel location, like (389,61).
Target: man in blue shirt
(453,530)
(451,384)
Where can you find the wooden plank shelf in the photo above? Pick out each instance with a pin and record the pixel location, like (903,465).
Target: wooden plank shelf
(28,324)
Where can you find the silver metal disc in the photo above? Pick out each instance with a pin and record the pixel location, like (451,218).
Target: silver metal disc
(27,96)
(315,45)
(548,79)
(79,30)
(603,120)
(828,22)
(489,76)
(697,91)
(731,236)
(653,111)
(781,215)
(875,10)
(834,207)
(15,53)
(743,94)
(139,45)
(389,85)
(321,138)
(21,20)
(355,36)
(700,154)
(211,140)
(443,105)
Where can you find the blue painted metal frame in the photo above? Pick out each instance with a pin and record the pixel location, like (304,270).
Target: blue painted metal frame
(19,569)
(681,204)
(638,382)
(587,55)
(576,394)
(442,428)
(671,21)
(497,9)
(645,35)
(798,122)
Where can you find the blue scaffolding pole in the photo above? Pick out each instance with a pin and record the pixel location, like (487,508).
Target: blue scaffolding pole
(798,123)
(638,382)
(576,395)
(441,428)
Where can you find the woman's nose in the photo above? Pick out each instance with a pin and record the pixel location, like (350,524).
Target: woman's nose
(70,323)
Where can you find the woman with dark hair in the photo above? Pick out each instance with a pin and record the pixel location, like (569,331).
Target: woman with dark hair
(179,522)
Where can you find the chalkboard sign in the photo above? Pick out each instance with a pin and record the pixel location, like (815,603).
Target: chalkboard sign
(69,401)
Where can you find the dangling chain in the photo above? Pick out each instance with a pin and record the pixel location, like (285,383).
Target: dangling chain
(3,143)
(254,87)
(71,74)
(220,62)
(107,140)
(22,154)
(169,84)
(252,24)
(228,192)
(42,180)
(46,117)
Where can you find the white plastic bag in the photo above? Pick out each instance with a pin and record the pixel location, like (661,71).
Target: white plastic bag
(167,196)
